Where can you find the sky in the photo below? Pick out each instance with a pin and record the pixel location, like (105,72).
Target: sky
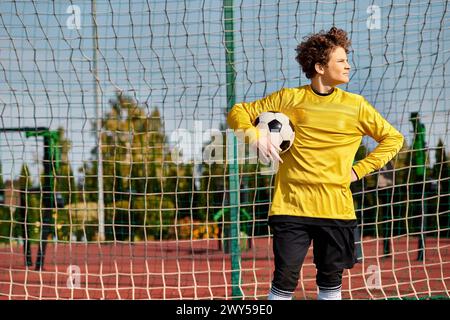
(171,55)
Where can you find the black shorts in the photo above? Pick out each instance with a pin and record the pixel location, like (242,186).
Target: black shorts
(333,249)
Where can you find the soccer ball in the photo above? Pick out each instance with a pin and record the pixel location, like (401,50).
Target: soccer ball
(280,128)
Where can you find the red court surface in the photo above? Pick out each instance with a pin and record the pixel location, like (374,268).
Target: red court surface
(199,270)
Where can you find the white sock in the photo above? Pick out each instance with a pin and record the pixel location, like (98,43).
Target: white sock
(277,294)
(333,293)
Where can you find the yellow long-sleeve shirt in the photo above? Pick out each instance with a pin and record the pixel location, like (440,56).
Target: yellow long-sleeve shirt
(314,179)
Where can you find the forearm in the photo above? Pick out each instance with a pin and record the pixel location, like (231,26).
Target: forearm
(242,115)
(385,151)
(239,120)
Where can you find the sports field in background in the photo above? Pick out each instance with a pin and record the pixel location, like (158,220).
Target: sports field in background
(199,270)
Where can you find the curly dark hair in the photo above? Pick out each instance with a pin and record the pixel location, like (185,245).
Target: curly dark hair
(317,48)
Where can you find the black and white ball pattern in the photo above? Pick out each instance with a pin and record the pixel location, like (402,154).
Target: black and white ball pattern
(280,128)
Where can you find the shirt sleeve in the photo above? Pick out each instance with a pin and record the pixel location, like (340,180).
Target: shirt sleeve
(389,140)
(243,115)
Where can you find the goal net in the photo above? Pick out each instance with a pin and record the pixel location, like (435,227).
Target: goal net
(120,180)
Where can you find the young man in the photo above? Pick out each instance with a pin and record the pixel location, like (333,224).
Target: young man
(312,199)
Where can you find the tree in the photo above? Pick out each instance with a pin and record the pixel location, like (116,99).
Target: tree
(5,220)
(136,167)
(65,181)
(441,172)
(65,191)
(28,214)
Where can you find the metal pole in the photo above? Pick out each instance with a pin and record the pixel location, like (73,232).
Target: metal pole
(232,154)
(98,112)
